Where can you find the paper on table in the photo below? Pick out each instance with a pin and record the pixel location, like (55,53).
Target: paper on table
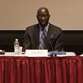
(36,53)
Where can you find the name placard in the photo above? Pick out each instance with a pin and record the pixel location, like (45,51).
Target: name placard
(36,53)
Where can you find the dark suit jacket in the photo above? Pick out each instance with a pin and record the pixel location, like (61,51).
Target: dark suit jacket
(53,41)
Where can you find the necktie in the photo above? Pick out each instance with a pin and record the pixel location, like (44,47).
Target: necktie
(42,44)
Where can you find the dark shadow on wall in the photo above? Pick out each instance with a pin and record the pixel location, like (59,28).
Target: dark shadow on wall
(73,40)
(7,38)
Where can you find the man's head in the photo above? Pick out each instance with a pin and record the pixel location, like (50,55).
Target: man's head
(43,16)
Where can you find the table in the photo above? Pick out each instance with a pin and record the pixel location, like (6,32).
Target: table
(41,70)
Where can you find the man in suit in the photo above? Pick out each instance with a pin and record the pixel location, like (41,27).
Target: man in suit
(52,38)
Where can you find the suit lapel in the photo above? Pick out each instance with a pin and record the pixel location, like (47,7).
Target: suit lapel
(50,30)
(36,36)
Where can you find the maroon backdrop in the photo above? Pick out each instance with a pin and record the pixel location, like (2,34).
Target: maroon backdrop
(41,70)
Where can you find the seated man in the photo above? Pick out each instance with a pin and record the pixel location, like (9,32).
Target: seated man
(43,35)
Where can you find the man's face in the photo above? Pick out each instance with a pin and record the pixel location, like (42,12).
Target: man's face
(43,17)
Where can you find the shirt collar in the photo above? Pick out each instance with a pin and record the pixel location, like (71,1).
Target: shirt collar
(46,28)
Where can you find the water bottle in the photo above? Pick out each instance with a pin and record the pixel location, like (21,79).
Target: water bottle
(16,46)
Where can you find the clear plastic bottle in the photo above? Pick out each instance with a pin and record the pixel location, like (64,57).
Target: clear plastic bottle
(16,46)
